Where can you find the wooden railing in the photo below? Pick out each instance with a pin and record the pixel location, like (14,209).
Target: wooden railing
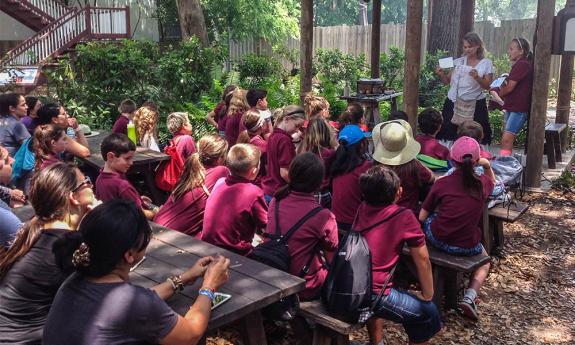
(52,8)
(73,27)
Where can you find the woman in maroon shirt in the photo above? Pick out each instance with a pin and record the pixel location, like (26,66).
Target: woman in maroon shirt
(184,210)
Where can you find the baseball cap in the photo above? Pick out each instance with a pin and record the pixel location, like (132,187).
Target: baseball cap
(352,134)
(465,146)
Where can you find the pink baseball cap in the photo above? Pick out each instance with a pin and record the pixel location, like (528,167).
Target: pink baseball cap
(465,146)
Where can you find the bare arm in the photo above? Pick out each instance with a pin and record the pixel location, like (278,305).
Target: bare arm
(423,214)
(420,257)
(445,78)
(210,118)
(507,88)
(284,173)
(487,168)
(77,149)
(81,138)
(484,82)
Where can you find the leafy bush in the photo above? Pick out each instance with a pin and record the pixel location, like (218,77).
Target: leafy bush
(337,68)
(432,91)
(391,66)
(254,70)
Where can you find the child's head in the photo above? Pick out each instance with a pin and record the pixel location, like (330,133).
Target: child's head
(226,96)
(315,106)
(465,153)
(257,98)
(49,140)
(380,186)
(179,123)
(118,151)
(394,144)
(398,115)
(318,136)
(253,122)
(353,115)
(306,174)
(145,121)
(127,107)
(244,160)
(351,150)
(291,118)
(471,129)
(429,121)
(238,102)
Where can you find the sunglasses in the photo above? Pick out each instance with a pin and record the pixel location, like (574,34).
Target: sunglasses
(86,182)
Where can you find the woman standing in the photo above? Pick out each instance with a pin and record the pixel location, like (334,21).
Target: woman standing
(516,92)
(472,74)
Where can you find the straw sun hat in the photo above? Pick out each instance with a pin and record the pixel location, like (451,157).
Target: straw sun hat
(394,143)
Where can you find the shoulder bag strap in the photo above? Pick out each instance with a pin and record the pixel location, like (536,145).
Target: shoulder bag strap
(401,209)
(278,232)
(300,222)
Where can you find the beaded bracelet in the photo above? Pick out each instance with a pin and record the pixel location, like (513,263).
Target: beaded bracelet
(207,292)
(177,283)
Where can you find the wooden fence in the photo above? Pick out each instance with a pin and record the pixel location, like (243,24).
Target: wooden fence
(357,40)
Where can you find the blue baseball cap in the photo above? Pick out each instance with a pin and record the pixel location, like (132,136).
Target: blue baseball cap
(352,134)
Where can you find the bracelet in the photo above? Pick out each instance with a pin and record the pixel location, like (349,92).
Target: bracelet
(207,292)
(177,283)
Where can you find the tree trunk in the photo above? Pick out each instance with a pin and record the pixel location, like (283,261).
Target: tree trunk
(412,60)
(375,37)
(192,21)
(362,20)
(444,26)
(467,15)
(564,92)
(306,46)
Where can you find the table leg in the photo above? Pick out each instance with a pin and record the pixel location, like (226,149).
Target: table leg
(394,104)
(550,151)
(438,287)
(253,329)
(557,144)
(487,240)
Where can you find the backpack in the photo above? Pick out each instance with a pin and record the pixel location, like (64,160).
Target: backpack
(347,291)
(24,161)
(508,170)
(169,171)
(275,253)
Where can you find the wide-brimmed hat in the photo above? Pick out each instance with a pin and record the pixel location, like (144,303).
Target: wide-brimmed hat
(465,146)
(394,143)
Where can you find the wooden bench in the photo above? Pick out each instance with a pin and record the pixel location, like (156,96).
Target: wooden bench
(448,273)
(552,148)
(327,328)
(498,215)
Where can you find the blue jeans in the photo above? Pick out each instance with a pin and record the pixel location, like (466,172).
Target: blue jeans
(268,199)
(420,319)
(514,121)
(449,249)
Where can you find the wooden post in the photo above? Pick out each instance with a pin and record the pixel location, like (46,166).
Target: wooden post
(413,28)
(375,35)
(467,13)
(542,65)
(306,46)
(564,91)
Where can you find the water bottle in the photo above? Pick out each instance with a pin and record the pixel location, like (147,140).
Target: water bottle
(132,131)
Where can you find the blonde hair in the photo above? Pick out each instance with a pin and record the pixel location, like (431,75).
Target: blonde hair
(476,41)
(318,135)
(313,104)
(176,121)
(252,122)
(238,103)
(210,148)
(242,157)
(145,121)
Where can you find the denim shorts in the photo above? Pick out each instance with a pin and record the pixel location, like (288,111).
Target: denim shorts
(420,319)
(514,121)
(449,249)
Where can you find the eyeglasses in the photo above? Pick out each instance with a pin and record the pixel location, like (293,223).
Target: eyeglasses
(87,182)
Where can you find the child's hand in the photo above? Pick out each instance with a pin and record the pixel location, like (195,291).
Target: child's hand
(484,162)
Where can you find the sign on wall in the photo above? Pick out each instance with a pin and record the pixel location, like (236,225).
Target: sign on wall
(19,76)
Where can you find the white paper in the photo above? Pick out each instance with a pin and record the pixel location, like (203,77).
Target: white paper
(446,63)
(497,82)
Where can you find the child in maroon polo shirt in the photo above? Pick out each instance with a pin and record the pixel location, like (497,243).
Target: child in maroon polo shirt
(126,109)
(452,211)
(430,121)
(380,189)
(281,150)
(236,208)
(317,236)
(118,152)
(474,130)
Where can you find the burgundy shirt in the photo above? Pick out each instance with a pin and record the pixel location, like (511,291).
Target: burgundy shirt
(232,128)
(280,153)
(52,159)
(519,99)
(187,213)
(431,147)
(111,185)
(318,232)
(261,144)
(412,184)
(346,195)
(458,213)
(234,211)
(121,125)
(185,145)
(220,120)
(386,240)
(326,155)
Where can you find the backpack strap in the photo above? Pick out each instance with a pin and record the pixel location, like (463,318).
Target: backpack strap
(401,209)
(383,287)
(300,222)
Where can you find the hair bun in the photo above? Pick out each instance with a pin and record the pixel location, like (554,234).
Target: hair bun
(81,256)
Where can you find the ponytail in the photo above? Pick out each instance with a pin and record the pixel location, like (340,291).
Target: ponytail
(25,239)
(243,138)
(471,182)
(347,158)
(282,193)
(193,176)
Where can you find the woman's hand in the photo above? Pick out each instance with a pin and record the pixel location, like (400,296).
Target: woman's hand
(217,273)
(473,73)
(439,71)
(197,270)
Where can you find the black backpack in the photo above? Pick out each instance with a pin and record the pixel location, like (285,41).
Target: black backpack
(348,285)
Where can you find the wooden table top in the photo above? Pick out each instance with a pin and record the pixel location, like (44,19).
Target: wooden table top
(143,156)
(371,98)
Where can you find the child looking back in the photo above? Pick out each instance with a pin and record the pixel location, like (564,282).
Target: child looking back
(126,109)
(49,144)
(118,153)
(236,208)
(452,211)
(430,121)
(474,130)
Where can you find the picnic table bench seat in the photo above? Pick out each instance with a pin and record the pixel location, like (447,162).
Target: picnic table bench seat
(552,146)
(497,216)
(327,328)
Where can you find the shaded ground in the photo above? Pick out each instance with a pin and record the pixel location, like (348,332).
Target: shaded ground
(529,296)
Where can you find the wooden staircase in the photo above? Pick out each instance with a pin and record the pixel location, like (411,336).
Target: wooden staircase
(59,28)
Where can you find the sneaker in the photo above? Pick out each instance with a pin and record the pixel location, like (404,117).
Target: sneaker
(468,308)
(504,198)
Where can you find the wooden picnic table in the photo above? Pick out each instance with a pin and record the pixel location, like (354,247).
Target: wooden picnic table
(145,161)
(371,104)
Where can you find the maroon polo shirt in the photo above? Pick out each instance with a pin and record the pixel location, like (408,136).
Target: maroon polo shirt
(232,128)
(317,233)
(185,145)
(187,213)
(412,184)
(346,195)
(280,153)
(431,147)
(121,125)
(386,240)
(235,210)
(458,213)
(261,144)
(519,99)
(220,120)
(111,185)
(326,155)
(52,159)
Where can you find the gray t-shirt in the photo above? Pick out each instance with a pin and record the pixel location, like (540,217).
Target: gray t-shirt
(9,226)
(12,133)
(107,314)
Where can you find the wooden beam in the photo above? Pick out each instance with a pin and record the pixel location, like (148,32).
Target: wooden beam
(542,66)
(466,18)
(412,60)
(564,91)
(306,46)
(375,35)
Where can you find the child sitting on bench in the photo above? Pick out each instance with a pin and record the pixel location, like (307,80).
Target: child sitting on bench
(430,121)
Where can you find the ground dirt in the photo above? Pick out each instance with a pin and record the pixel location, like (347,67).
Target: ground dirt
(528,298)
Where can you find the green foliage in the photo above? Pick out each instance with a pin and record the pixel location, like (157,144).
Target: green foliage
(500,65)
(331,92)
(565,182)
(283,92)
(335,12)
(254,70)
(336,67)
(432,91)
(391,66)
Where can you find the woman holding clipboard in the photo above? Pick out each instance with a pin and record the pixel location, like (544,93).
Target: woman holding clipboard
(472,73)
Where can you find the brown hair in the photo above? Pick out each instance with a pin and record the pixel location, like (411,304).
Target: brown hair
(252,122)
(49,196)
(470,129)
(210,149)
(238,102)
(313,104)
(145,121)
(176,121)
(242,157)
(43,135)
(476,41)
(318,135)
(127,106)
